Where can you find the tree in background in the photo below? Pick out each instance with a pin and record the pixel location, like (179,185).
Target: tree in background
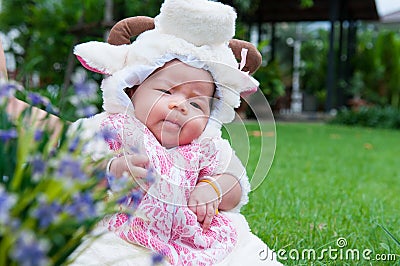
(42,34)
(377,66)
(388,53)
(314,53)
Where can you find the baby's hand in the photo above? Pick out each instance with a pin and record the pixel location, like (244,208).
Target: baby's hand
(203,201)
(135,165)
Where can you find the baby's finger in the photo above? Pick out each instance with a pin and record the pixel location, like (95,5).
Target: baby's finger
(201,211)
(192,205)
(138,160)
(118,166)
(138,172)
(136,164)
(209,216)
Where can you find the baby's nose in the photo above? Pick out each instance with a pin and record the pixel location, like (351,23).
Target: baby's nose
(180,106)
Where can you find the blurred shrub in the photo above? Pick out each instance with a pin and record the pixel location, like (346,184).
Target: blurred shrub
(50,197)
(375,116)
(270,79)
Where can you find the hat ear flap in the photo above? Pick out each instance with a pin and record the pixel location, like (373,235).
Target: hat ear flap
(101,57)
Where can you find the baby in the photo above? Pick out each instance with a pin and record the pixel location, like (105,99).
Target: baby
(167,95)
(171,110)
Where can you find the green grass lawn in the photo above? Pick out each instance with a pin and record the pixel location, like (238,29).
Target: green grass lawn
(328,182)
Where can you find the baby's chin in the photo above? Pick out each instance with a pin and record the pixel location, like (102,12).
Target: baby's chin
(168,143)
(173,143)
(171,138)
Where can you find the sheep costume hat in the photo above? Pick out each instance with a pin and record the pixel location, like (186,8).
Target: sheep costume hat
(196,32)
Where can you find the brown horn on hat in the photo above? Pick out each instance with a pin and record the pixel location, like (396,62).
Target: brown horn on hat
(253,60)
(122,32)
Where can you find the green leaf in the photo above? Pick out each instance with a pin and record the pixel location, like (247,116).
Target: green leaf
(390,234)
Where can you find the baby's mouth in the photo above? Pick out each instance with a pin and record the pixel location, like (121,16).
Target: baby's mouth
(171,124)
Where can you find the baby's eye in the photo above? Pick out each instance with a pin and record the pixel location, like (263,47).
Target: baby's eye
(164,91)
(195,105)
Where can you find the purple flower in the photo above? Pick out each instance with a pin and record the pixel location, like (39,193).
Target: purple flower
(132,199)
(7,90)
(51,109)
(108,134)
(80,87)
(73,145)
(123,200)
(7,201)
(71,168)
(82,207)
(87,111)
(46,213)
(6,135)
(38,135)
(36,99)
(135,197)
(53,152)
(85,89)
(156,258)
(29,251)
(38,166)
(151,176)
(118,184)
(99,174)
(15,224)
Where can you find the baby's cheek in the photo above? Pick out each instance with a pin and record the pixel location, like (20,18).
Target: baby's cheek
(193,129)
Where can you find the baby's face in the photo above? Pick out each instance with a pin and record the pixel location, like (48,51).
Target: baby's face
(174,103)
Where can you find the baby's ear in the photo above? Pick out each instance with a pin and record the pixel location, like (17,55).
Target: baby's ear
(101,57)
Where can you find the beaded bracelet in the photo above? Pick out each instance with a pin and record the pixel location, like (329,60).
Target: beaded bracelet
(214,184)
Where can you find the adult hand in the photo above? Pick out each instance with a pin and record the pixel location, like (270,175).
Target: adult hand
(203,201)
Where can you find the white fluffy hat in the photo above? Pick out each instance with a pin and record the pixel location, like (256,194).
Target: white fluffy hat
(197,32)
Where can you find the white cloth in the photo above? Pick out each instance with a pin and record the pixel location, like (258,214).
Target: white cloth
(109,249)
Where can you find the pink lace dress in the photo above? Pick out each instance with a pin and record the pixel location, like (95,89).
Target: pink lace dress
(165,224)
